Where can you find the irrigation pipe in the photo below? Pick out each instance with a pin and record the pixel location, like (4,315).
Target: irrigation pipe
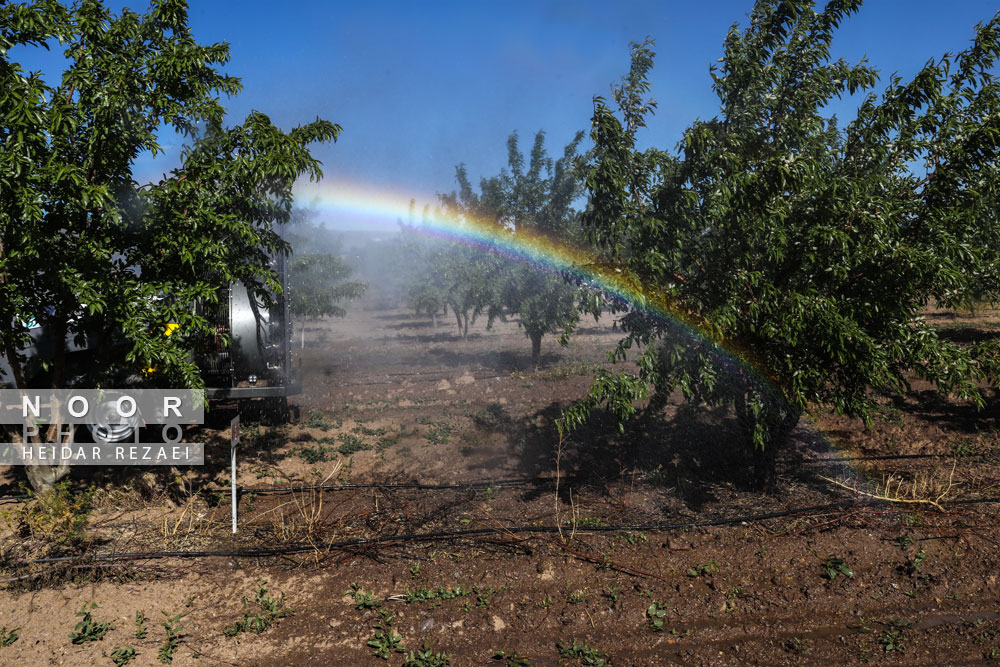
(473,532)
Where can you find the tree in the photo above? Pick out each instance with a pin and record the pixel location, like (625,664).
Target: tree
(801,253)
(448,274)
(318,283)
(87,252)
(526,204)
(318,275)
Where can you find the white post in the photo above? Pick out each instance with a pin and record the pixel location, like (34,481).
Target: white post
(303,332)
(235,440)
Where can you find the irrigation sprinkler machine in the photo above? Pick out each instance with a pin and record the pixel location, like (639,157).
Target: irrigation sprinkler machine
(249,358)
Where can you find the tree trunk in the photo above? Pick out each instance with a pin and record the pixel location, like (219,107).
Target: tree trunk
(44,477)
(536,348)
(779,419)
(434,318)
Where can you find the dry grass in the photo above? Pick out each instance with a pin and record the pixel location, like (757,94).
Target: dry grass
(924,488)
(302,519)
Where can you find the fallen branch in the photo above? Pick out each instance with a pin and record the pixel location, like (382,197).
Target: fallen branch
(897,494)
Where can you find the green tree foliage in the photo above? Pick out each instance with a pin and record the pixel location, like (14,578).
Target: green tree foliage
(318,274)
(523,202)
(319,283)
(805,249)
(448,275)
(85,251)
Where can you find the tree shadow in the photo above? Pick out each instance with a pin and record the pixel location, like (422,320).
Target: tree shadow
(968,335)
(501,361)
(419,324)
(439,337)
(395,317)
(932,406)
(695,455)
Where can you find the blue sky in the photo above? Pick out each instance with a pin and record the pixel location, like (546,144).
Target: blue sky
(421,86)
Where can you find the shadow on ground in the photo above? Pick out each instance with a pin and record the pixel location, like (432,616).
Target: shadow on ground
(692,456)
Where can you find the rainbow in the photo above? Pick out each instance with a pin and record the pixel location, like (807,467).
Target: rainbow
(380,209)
(376,209)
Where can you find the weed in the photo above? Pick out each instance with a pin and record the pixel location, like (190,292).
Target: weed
(352,444)
(655,615)
(576,597)
(415,570)
(312,455)
(56,518)
(962,448)
(190,600)
(492,417)
(567,369)
(890,415)
(832,566)
(87,629)
(583,653)
(705,570)
(635,538)
(605,564)
(482,596)
(903,542)
(172,627)
(371,432)
(123,656)
(362,599)
(611,592)
(266,438)
(271,611)
(385,641)
(545,602)
(891,640)
(426,658)
(140,625)
(8,637)
(797,645)
(440,433)
(420,595)
(317,420)
(511,659)
(914,565)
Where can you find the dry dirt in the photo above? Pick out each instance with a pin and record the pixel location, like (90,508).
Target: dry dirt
(666,555)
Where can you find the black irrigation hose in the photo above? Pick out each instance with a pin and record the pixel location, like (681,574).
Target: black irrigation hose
(967,458)
(419,537)
(379,485)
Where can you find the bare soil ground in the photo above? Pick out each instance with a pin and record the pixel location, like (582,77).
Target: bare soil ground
(665,556)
